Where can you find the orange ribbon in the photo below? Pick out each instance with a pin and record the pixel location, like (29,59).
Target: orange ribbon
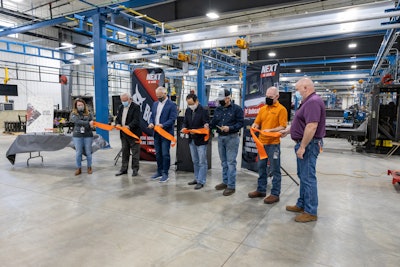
(259,145)
(110,127)
(165,134)
(198,131)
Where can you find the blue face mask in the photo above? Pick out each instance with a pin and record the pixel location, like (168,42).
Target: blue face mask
(298,96)
(125,103)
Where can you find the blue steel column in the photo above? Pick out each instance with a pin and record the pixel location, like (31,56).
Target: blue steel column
(201,85)
(244,81)
(100,73)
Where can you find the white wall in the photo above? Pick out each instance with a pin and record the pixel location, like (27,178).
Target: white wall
(34,76)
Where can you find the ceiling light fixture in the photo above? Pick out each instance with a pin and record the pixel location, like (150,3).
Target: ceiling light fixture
(354,66)
(352,45)
(298,70)
(271,54)
(212,15)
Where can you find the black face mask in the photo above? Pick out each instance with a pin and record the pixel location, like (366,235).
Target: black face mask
(222,103)
(269,101)
(161,99)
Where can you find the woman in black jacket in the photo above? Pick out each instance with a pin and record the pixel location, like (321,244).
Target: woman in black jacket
(82,134)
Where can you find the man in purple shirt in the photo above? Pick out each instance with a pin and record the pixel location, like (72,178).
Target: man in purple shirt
(307,130)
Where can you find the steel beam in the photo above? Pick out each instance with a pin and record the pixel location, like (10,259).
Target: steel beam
(343,20)
(201,86)
(100,72)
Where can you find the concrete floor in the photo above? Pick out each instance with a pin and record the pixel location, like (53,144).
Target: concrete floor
(49,217)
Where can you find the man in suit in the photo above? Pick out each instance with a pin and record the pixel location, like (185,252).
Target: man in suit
(163,114)
(197,117)
(129,116)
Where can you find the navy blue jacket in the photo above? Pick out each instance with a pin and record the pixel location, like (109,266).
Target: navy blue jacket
(231,116)
(168,115)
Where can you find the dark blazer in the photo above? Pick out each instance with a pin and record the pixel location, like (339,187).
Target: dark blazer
(197,121)
(168,115)
(132,119)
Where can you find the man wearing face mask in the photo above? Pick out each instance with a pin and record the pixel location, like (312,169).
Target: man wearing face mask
(197,117)
(163,114)
(228,119)
(129,116)
(271,118)
(307,130)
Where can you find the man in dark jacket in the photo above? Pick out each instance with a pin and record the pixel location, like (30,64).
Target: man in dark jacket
(197,117)
(129,116)
(228,119)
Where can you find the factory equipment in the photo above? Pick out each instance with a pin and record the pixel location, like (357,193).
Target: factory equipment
(384,123)
(350,124)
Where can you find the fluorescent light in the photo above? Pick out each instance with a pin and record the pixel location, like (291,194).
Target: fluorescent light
(154,65)
(352,45)
(354,66)
(212,15)
(87,53)
(271,54)
(353,57)
(298,70)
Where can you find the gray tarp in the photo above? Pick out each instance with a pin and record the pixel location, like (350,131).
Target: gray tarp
(47,142)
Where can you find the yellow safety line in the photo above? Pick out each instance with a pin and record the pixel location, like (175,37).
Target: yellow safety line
(146,17)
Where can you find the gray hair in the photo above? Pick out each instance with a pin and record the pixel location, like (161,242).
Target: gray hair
(161,89)
(126,94)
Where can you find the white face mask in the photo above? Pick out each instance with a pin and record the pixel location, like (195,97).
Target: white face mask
(298,96)
(193,107)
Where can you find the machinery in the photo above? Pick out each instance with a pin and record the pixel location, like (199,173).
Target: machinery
(374,132)
(384,123)
(350,124)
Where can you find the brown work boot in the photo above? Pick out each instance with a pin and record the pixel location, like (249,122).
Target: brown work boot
(228,191)
(255,194)
(294,208)
(78,171)
(221,186)
(89,170)
(305,217)
(271,199)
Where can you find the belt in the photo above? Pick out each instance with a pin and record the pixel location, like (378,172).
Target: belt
(299,140)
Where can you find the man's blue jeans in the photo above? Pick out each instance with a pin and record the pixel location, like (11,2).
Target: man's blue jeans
(81,143)
(228,146)
(306,170)
(274,157)
(163,158)
(199,158)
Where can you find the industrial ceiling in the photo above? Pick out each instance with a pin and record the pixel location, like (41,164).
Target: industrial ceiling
(307,37)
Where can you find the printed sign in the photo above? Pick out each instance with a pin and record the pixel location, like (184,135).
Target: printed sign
(258,81)
(143,91)
(39,115)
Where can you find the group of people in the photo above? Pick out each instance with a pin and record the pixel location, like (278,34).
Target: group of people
(307,130)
